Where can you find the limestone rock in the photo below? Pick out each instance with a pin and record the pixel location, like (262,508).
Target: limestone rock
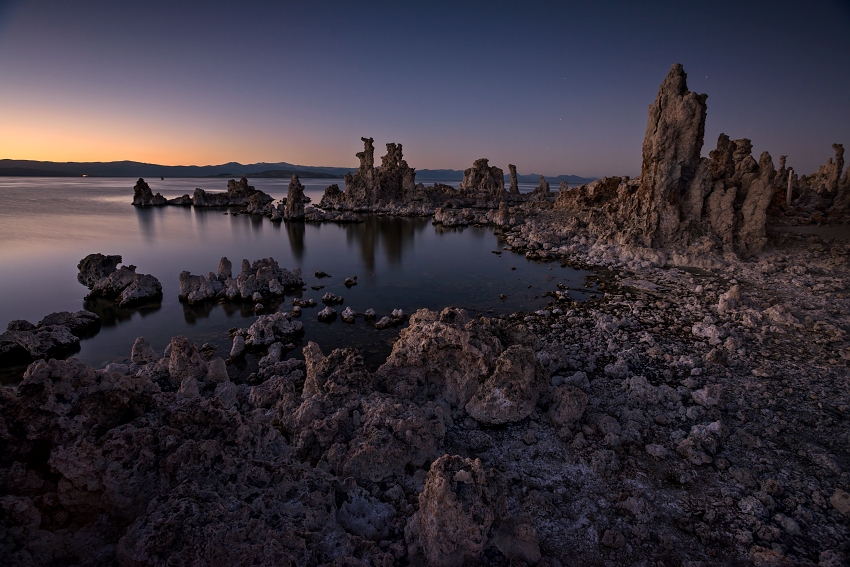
(94,267)
(81,323)
(142,352)
(294,209)
(43,342)
(671,156)
(457,509)
(447,354)
(144,197)
(568,405)
(514,189)
(238,193)
(483,182)
(185,361)
(127,287)
(272,328)
(511,392)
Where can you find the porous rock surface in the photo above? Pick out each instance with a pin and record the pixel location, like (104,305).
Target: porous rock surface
(693,411)
(264,276)
(123,285)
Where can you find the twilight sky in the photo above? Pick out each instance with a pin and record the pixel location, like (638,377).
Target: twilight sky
(553,87)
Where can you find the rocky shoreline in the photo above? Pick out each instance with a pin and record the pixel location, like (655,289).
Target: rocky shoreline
(695,413)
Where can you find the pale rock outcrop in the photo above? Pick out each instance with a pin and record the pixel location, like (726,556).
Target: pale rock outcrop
(272,328)
(483,182)
(185,361)
(457,509)
(294,208)
(142,352)
(127,287)
(511,392)
(826,180)
(514,188)
(671,156)
(264,276)
(144,197)
(462,360)
(751,234)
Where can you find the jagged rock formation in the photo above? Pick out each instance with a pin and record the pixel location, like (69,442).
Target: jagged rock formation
(96,266)
(144,197)
(671,156)
(483,183)
(826,180)
(392,189)
(238,193)
(127,287)
(294,207)
(264,276)
(124,285)
(541,194)
(681,198)
(56,334)
(514,190)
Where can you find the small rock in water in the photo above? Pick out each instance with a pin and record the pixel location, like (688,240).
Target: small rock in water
(303,302)
(238,346)
(370,314)
(321,274)
(296,311)
(316,287)
(383,323)
(348,315)
(327,314)
(258,307)
(350,281)
(331,299)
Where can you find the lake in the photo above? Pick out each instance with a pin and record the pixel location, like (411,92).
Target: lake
(48,224)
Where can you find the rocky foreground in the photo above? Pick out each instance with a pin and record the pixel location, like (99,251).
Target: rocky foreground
(696,414)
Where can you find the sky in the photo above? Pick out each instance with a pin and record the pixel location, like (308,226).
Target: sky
(553,87)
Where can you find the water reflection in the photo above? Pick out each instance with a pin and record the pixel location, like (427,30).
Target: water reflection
(393,234)
(296,231)
(194,313)
(112,315)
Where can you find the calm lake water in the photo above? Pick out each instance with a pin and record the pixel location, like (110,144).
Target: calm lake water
(48,224)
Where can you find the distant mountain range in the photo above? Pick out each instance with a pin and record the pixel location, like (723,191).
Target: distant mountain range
(30,168)
(138,169)
(457,175)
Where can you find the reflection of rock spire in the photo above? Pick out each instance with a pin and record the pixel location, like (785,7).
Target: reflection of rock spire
(295,231)
(393,234)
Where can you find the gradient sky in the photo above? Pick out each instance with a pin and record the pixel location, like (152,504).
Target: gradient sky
(553,87)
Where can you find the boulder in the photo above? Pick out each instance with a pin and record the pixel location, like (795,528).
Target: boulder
(511,392)
(95,267)
(458,507)
(81,323)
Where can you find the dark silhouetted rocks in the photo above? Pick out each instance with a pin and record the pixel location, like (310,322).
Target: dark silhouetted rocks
(264,277)
(96,266)
(144,197)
